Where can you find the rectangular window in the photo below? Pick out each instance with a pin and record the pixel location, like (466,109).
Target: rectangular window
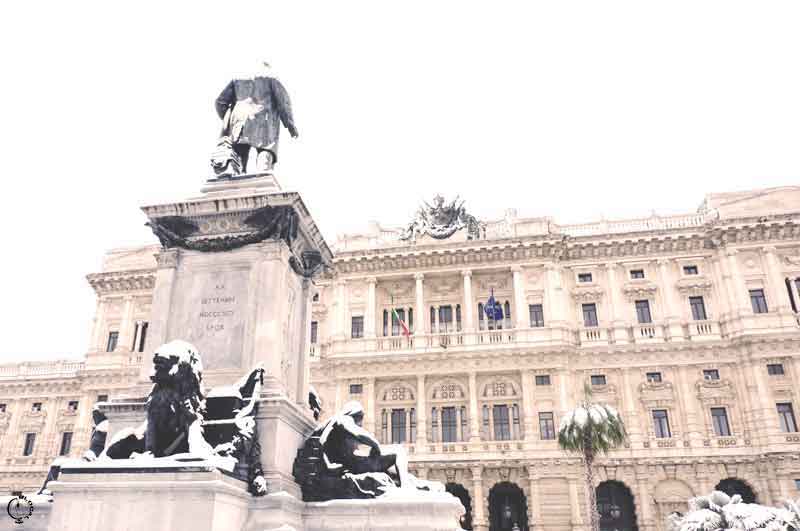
(2,408)
(356,389)
(584,277)
(775,369)
(66,443)
(398,426)
(537,315)
(400,315)
(111,345)
(449,425)
(412,419)
(797,484)
(143,335)
(661,424)
(637,274)
(698,308)
(502,428)
(102,398)
(37,406)
(758,301)
(314,332)
(590,314)
(598,379)
(73,405)
(790,284)
(786,417)
(643,312)
(547,426)
(30,441)
(719,418)
(542,379)
(446,319)
(654,377)
(357,326)
(139,336)
(710,374)
(690,270)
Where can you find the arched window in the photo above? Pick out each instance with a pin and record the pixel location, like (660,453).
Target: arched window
(385,323)
(507,312)
(412,417)
(481,322)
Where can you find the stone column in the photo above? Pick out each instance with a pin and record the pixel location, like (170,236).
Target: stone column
(617,322)
(369,317)
(644,502)
(126,325)
(167,264)
(369,405)
(474,415)
(469,303)
(520,308)
(419,327)
(554,310)
(99,325)
(775,282)
(737,285)
(479,520)
(528,387)
(672,317)
(422,414)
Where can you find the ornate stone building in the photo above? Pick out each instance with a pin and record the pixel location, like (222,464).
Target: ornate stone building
(687,324)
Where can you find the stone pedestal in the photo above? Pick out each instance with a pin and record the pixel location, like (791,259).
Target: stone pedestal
(174,498)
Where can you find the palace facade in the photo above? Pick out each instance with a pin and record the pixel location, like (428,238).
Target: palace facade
(687,324)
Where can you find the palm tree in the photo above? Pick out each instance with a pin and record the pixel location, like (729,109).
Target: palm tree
(588,430)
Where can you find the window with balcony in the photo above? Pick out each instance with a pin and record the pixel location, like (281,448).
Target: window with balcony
(357,326)
(111,344)
(449,425)
(598,379)
(690,270)
(653,377)
(661,424)
(589,314)
(314,332)
(398,426)
(139,336)
(719,419)
(775,369)
(698,307)
(584,277)
(547,426)
(758,301)
(637,274)
(536,313)
(36,407)
(542,379)
(30,441)
(710,374)
(66,443)
(643,312)
(786,417)
(502,423)
(72,405)
(356,389)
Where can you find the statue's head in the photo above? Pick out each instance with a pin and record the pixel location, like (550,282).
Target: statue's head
(438,199)
(354,409)
(176,356)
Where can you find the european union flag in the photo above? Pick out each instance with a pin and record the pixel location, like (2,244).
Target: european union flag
(493,309)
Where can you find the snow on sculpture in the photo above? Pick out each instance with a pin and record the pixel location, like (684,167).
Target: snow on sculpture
(721,512)
(185,422)
(329,465)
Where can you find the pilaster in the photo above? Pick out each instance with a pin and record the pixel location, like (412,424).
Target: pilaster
(419,320)
(422,413)
(469,303)
(369,317)
(474,417)
(518,281)
(617,322)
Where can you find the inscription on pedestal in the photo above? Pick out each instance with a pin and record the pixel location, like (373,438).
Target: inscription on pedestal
(211,314)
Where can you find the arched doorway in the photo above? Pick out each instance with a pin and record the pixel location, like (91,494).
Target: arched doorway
(616,507)
(461,493)
(731,486)
(507,506)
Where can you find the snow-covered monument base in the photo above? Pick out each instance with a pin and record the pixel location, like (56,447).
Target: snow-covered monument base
(164,496)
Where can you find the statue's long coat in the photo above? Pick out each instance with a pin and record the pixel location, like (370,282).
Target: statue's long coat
(252,111)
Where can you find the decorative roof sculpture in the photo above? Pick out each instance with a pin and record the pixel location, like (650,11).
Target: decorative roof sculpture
(440,221)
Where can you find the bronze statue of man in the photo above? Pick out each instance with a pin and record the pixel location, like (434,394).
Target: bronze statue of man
(252,110)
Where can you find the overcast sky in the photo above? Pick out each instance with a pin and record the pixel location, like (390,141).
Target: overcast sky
(574,110)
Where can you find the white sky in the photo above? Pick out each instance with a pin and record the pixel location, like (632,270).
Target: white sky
(569,109)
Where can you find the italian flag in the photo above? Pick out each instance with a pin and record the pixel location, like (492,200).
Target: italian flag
(406,331)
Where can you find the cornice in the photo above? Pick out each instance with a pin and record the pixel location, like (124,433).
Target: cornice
(121,281)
